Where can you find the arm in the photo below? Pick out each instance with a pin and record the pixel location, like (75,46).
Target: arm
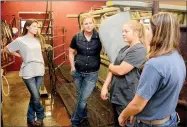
(72,53)
(15,54)
(134,58)
(5,50)
(148,85)
(105,87)
(121,69)
(108,80)
(12,53)
(12,47)
(133,108)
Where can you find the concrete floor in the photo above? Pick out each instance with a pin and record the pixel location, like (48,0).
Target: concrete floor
(15,104)
(14,107)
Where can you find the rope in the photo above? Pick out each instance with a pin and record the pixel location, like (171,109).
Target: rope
(3,86)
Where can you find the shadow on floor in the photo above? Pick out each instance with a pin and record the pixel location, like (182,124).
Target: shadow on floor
(15,104)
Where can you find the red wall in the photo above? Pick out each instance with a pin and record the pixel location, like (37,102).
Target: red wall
(60,10)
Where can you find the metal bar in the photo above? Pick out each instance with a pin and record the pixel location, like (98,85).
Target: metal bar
(59,65)
(8,64)
(37,19)
(58,56)
(59,46)
(72,16)
(44,26)
(31,12)
(57,36)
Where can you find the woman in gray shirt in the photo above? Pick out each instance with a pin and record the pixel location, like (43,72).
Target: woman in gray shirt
(30,46)
(162,78)
(124,74)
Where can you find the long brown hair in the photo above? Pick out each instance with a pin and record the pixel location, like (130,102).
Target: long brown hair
(166,34)
(138,27)
(38,35)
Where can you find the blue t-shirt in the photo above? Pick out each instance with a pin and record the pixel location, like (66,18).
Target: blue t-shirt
(161,82)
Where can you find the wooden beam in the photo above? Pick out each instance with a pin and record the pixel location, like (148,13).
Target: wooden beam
(155,8)
(98,13)
(145,6)
(72,15)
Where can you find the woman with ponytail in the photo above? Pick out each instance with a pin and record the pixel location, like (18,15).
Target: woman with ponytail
(30,46)
(124,74)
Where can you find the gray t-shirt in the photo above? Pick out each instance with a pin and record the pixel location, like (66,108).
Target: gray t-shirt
(30,51)
(123,88)
(160,83)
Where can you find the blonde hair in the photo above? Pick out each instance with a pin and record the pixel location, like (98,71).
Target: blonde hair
(139,28)
(38,35)
(166,34)
(83,17)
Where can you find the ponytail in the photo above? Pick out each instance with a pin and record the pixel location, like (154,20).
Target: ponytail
(139,29)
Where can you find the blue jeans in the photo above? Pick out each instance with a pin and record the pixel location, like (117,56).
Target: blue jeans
(33,85)
(172,122)
(85,83)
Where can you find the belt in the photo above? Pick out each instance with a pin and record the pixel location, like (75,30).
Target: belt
(154,122)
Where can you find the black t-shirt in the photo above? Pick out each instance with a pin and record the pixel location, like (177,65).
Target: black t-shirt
(73,43)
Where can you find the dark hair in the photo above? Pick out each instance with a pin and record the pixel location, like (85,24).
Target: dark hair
(27,24)
(38,35)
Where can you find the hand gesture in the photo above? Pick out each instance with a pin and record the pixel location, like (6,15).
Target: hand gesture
(104,92)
